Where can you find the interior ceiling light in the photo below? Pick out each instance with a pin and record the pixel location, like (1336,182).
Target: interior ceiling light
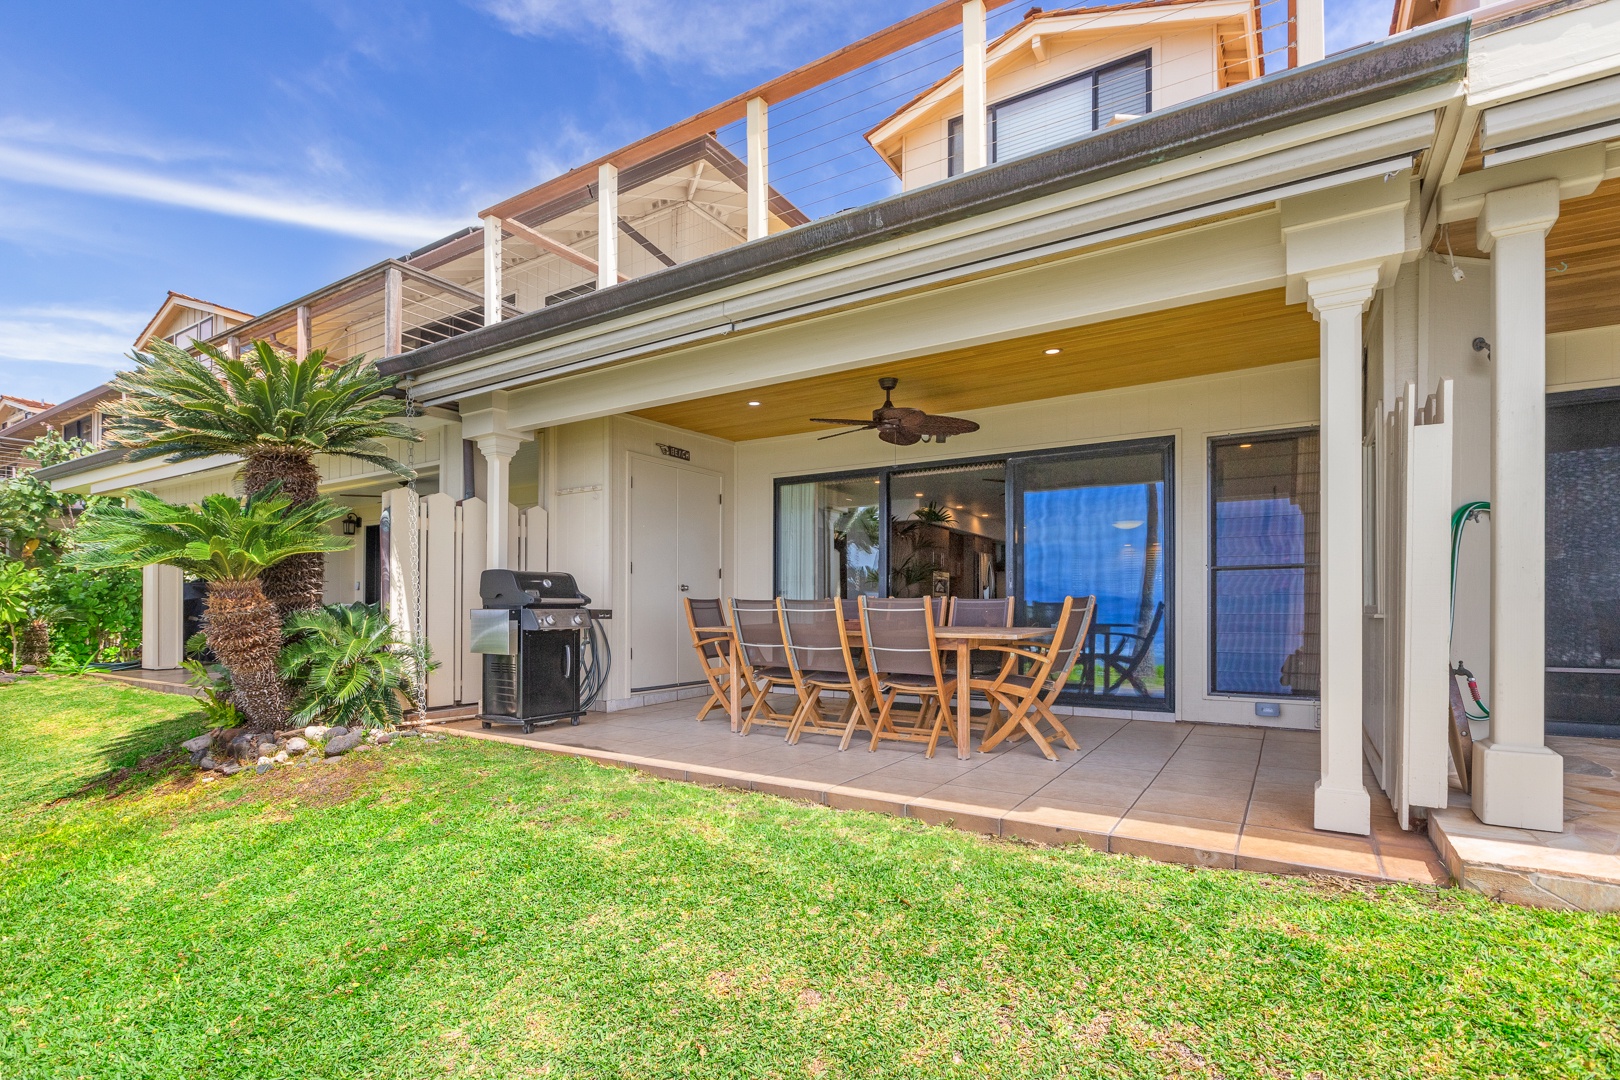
(1053,352)
(1244,445)
(753,403)
(919,494)
(959,506)
(1127,524)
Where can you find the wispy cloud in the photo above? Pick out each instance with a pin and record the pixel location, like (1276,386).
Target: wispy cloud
(718,37)
(67,334)
(1355,22)
(77,172)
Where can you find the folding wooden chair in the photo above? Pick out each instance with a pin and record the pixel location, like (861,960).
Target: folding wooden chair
(712,639)
(902,654)
(969,612)
(821,657)
(1028,698)
(763,660)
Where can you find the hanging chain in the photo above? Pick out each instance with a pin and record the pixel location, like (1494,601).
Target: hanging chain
(418,615)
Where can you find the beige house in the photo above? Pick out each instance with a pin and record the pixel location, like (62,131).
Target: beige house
(1239,335)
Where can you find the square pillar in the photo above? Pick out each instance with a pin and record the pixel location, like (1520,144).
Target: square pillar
(498,450)
(492,270)
(1337,300)
(607,229)
(163,623)
(1519,782)
(975,109)
(759,169)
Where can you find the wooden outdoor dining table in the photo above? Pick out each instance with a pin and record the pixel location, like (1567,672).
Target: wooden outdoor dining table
(963,640)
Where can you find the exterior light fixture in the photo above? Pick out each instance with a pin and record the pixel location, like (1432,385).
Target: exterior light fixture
(1053,352)
(351,523)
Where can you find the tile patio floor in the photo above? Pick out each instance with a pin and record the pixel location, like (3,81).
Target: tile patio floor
(1185,793)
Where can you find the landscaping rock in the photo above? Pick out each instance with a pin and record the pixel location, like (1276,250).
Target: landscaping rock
(336,732)
(201,742)
(206,763)
(342,744)
(409,734)
(385,737)
(263,766)
(6,677)
(281,758)
(230,769)
(28,669)
(243,748)
(295,745)
(316,731)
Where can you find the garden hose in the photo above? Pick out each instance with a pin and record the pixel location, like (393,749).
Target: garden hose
(1460,518)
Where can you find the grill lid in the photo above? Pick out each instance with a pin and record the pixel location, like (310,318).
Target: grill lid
(520,588)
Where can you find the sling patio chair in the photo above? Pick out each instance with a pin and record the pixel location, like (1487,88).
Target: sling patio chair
(902,654)
(1028,697)
(763,660)
(821,657)
(971,612)
(712,640)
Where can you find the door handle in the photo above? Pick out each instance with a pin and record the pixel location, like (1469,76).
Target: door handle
(686,588)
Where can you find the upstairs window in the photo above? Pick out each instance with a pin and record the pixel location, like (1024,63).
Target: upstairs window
(1064,111)
(197,331)
(82,428)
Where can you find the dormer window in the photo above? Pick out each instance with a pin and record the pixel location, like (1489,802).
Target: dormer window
(201,330)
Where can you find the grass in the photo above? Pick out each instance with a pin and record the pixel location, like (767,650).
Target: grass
(471,909)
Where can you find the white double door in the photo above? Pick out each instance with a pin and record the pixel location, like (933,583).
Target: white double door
(674,553)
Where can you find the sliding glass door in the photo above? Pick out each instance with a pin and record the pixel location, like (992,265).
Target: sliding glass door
(828,537)
(1097,521)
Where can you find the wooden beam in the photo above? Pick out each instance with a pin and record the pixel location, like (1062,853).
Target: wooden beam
(555,247)
(919,27)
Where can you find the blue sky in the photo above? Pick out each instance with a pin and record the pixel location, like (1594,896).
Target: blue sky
(248,153)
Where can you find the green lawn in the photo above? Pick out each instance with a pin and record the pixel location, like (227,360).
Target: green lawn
(470,909)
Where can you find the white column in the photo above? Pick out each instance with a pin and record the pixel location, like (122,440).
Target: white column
(1518,781)
(393,311)
(1337,300)
(1309,31)
(492,270)
(607,227)
(975,124)
(163,633)
(759,169)
(498,451)
(304,331)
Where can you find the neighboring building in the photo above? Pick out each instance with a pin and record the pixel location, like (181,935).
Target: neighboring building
(181,320)
(14,415)
(1238,342)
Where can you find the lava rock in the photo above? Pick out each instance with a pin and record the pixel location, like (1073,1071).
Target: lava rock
(201,742)
(342,744)
(295,745)
(230,768)
(263,766)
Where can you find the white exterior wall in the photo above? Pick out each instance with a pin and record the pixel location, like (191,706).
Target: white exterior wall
(1186,65)
(1192,410)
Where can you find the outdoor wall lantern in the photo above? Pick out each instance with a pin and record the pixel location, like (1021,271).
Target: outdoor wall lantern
(351,523)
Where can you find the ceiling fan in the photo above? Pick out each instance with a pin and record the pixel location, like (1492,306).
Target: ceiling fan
(902,426)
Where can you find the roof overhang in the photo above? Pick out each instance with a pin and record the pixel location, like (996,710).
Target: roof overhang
(1332,107)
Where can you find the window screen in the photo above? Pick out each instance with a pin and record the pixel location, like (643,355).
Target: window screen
(1265,606)
(1064,111)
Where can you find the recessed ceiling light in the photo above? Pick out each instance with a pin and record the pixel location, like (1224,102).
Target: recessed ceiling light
(919,494)
(959,506)
(753,403)
(1244,445)
(1053,352)
(1127,524)
(983,515)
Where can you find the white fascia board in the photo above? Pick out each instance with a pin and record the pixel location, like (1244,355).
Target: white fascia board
(1553,113)
(127,475)
(1326,145)
(1570,47)
(1223,259)
(1578,172)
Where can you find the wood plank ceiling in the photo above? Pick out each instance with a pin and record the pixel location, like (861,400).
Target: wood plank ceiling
(1248,331)
(1583,260)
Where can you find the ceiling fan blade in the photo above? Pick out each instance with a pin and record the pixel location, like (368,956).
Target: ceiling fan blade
(846,431)
(938,426)
(830,420)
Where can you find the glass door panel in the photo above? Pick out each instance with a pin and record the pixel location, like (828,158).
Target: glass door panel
(948,532)
(1097,522)
(828,536)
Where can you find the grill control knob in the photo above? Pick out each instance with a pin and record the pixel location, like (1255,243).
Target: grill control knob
(551,620)
(545,582)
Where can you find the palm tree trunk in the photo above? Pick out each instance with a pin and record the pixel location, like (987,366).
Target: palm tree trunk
(36,641)
(297,583)
(244,631)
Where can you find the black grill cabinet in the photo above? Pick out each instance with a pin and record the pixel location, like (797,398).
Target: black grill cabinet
(530,632)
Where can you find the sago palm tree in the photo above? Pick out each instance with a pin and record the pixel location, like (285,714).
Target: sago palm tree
(352,665)
(270,409)
(229,543)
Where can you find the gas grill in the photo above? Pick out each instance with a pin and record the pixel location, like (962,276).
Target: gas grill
(540,643)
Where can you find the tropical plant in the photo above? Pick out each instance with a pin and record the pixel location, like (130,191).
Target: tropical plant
(34,646)
(19,588)
(270,409)
(33,515)
(916,552)
(351,665)
(214,691)
(106,607)
(229,543)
